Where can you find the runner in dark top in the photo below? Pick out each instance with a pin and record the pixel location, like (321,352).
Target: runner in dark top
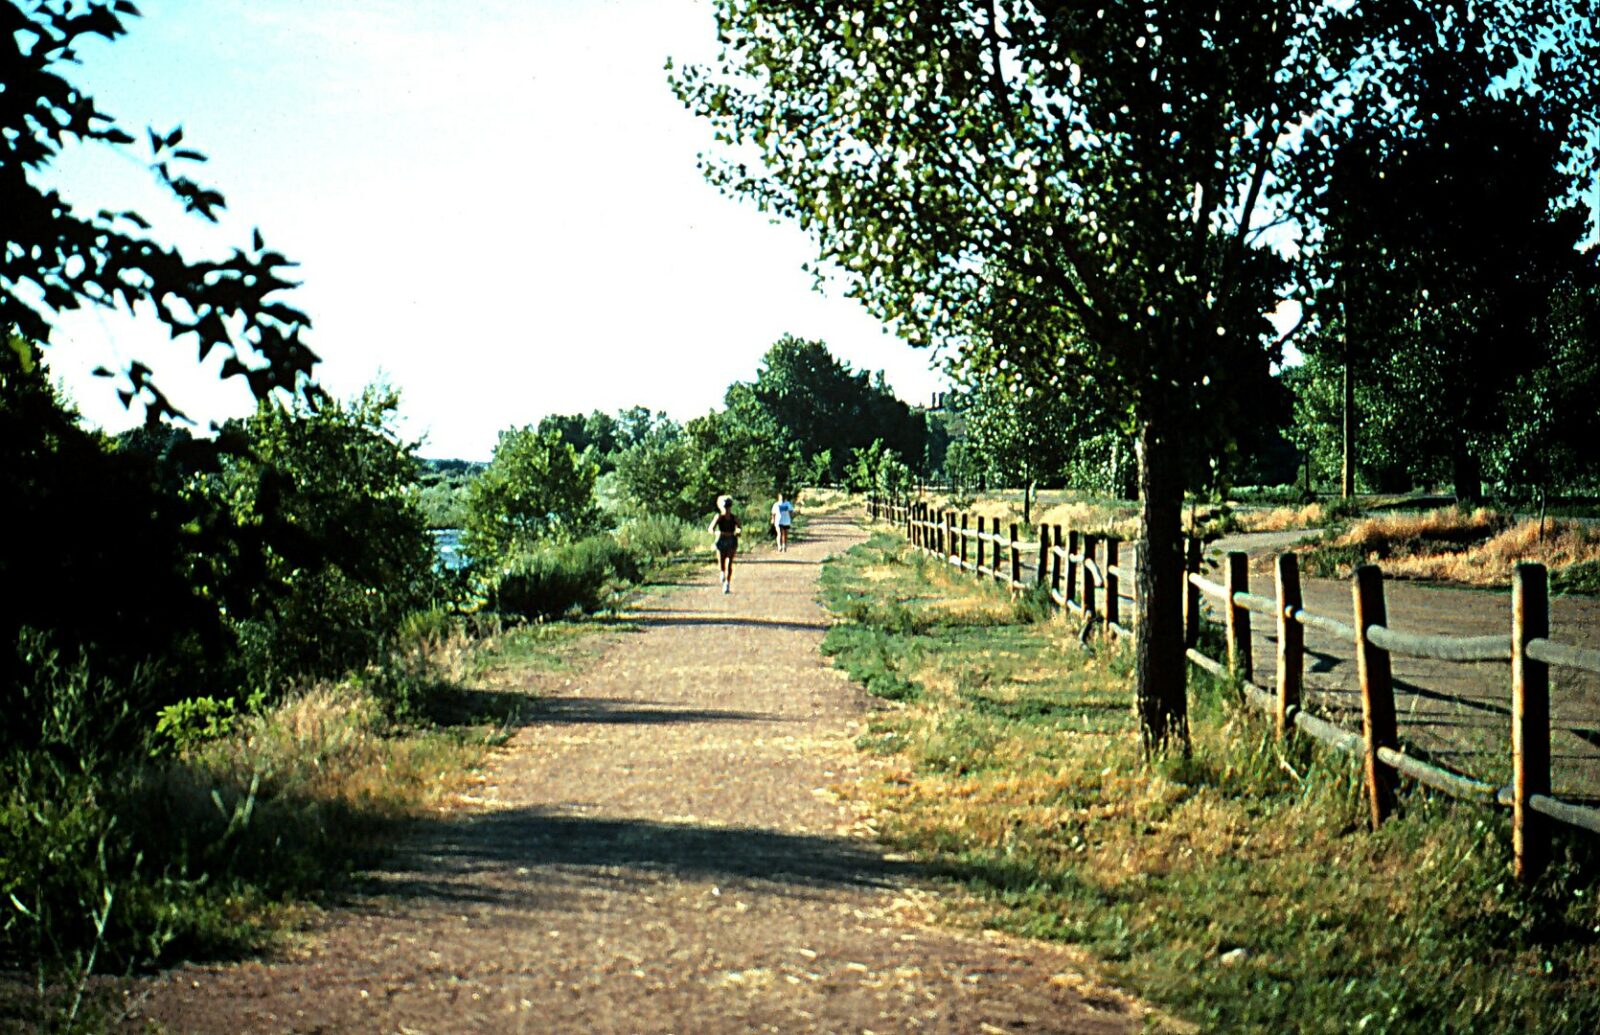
(726,528)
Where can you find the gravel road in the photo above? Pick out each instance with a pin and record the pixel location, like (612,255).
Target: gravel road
(663,850)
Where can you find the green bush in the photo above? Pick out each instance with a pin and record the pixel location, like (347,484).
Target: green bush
(193,721)
(329,549)
(657,536)
(554,579)
(536,488)
(66,865)
(1583,577)
(1272,495)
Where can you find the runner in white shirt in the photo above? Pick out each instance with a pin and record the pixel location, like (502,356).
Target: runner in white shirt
(782,518)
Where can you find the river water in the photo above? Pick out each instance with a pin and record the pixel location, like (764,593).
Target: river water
(447,543)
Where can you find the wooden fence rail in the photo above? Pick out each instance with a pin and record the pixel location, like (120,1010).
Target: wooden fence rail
(1084,574)
(1526,646)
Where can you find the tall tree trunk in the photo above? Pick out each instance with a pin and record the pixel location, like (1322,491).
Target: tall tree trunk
(1160,668)
(1466,473)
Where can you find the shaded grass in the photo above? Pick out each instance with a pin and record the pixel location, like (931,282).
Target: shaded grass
(1237,886)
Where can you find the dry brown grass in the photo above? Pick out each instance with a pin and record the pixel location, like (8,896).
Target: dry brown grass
(1492,562)
(1477,549)
(331,743)
(1443,524)
(1282,519)
(1093,517)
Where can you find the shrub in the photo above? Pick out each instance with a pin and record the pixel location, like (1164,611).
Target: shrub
(1279,495)
(657,536)
(331,549)
(536,488)
(551,580)
(188,723)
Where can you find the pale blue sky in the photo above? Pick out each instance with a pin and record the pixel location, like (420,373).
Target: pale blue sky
(495,204)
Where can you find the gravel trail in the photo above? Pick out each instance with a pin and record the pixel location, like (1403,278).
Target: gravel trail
(662,850)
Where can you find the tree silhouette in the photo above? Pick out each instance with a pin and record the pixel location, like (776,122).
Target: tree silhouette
(56,258)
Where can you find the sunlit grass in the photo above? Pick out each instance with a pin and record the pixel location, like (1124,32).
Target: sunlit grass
(1477,548)
(1237,887)
(1281,519)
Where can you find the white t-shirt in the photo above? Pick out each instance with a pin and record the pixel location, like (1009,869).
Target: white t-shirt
(783,512)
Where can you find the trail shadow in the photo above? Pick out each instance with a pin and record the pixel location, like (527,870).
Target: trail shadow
(610,711)
(665,618)
(503,857)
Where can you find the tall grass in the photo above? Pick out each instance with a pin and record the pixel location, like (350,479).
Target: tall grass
(240,819)
(1237,888)
(553,579)
(1476,548)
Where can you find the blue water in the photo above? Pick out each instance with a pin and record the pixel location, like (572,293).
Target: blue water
(447,542)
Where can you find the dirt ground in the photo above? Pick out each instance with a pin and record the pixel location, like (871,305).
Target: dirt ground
(662,851)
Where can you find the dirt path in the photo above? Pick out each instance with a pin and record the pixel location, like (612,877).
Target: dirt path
(661,852)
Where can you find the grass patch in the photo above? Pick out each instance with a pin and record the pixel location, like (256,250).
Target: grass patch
(1470,548)
(231,835)
(1237,887)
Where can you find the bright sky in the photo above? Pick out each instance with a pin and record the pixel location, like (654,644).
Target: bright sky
(495,205)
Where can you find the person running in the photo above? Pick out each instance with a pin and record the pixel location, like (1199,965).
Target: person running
(726,529)
(782,518)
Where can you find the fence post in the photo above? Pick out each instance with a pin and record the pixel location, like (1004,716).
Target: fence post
(910,530)
(994,551)
(1240,661)
(1043,571)
(1377,690)
(1091,545)
(1291,640)
(1072,567)
(1113,605)
(946,542)
(1191,598)
(1055,566)
(1530,719)
(979,569)
(1016,558)
(963,540)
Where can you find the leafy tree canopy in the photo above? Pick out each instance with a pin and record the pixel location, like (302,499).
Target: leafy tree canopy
(805,396)
(537,486)
(1447,253)
(55,258)
(1071,190)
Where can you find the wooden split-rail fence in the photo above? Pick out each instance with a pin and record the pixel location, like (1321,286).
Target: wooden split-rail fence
(1088,574)
(1092,576)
